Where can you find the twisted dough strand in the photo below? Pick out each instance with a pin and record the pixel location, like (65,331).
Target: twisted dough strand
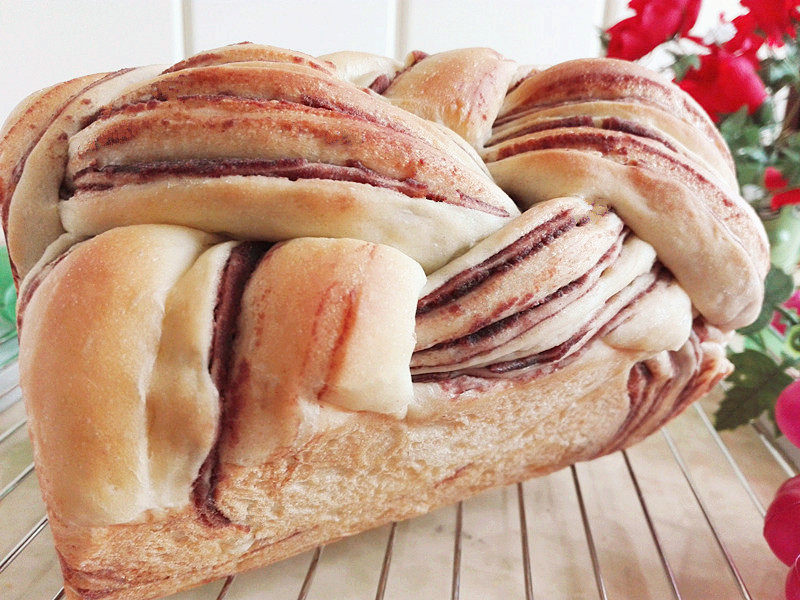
(281,299)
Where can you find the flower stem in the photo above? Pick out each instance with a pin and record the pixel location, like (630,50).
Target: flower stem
(788,315)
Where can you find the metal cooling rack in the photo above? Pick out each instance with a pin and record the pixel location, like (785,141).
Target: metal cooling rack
(677,516)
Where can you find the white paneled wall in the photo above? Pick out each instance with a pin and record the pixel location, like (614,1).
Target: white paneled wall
(710,12)
(46,41)
(43,42)
(313,27)
(531,31)
(526,30)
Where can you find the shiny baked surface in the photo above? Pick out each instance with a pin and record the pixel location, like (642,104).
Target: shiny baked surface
(280,307)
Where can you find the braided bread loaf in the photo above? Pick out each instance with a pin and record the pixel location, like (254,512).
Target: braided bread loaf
(269,300)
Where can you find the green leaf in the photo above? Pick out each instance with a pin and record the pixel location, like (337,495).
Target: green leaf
(683,64)
(749,172)
(778,289)
(8,293)
(790,142)
(742,405)
(787,162)
(751,368)
(757,382)
(789,153)
(604,41)
(739,407)
(734,121)
(765,114)
(754,153)
(792,346)
(745,134)
(779,72)
(778,286)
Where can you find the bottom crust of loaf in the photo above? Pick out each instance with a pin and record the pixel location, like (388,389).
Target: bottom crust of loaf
(366,469)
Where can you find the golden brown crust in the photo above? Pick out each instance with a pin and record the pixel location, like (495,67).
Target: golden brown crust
(222,128)
(663,166)
(278,209)
(249,52)
(645,120)
(609,79)
(273,151)
(33,156)
(94,399)
(298,84)
(148,398)
(490,447)
(22,130)
(434,89)
(301,381)
(666,212)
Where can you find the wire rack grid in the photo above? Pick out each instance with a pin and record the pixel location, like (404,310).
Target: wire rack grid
(677,516)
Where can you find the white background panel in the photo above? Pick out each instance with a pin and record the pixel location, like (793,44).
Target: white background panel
(316,27)
(44,42)
(710,11)
(531,31)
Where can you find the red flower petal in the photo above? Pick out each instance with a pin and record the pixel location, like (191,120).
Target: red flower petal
(793,582)
(790,486)
(724,83)
(785,198)
(747,40)
(787,413)
(773,179)
(794,301)
(773,17)
(690,16)
(782,522)
(655,22)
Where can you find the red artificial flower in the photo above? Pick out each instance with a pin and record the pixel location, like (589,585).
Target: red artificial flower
(774,180)
(747,40)
(793,304)
(787,414)
(773,19)
(654,23)
(782,522)
(724,83)
(793,581)
(766,21)
(784,199)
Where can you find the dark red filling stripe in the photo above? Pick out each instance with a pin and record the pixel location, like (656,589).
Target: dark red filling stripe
(109,176)
(554,358)
(476,337)
(380,84)
(607,144)
(241,264)
(305,102)
(574,88)
(502,261)
(608,123)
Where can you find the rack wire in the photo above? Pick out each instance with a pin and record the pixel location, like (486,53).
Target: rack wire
(677,516)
